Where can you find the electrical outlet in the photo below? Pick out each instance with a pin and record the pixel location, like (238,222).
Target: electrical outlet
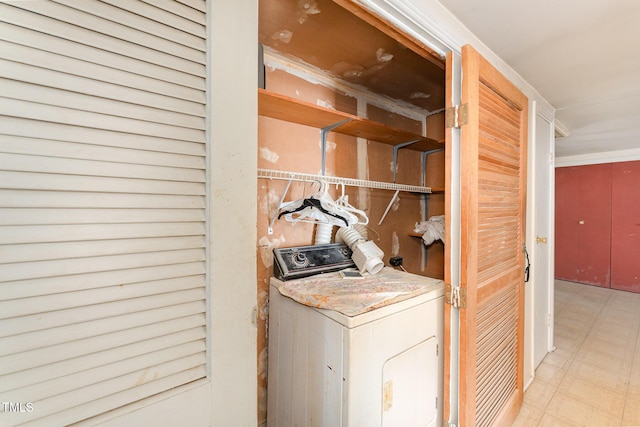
(395,261)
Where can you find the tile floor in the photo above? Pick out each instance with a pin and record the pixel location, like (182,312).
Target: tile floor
(593,376)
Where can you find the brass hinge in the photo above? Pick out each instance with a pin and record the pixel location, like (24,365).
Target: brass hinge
(455,296)
(457,116)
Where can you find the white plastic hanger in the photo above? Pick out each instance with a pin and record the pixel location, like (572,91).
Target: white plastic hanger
(343,202)
(318,208)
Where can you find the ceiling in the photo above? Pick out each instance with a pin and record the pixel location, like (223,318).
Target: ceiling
(583,56)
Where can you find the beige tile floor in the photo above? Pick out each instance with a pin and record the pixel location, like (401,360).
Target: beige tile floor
(593,376)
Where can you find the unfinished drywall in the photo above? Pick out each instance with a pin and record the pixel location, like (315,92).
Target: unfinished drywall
(326,35)
(292,147)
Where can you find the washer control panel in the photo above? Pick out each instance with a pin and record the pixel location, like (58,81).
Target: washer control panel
(303,261)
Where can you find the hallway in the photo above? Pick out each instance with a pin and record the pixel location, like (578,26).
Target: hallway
(593,376)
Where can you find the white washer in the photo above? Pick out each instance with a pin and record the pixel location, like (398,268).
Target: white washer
(382,367)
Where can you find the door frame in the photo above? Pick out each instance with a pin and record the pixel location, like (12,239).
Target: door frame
(453,215)
(539,290)
(433,25)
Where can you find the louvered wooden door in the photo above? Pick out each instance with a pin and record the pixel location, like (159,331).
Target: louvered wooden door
(492,205)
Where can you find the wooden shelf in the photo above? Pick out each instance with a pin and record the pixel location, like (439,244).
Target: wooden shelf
(286,108)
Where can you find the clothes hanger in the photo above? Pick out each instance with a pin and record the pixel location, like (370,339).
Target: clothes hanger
(318,208)
(311,203)
(343,202)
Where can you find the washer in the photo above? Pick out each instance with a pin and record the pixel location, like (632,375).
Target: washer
(374,360)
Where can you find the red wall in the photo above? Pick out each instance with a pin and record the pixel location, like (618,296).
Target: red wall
(598,225)
(625,226)
(583,224)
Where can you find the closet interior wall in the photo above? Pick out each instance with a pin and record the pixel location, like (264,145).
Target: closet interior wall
(288,146)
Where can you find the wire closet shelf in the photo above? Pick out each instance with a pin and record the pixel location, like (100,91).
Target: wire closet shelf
(305,177)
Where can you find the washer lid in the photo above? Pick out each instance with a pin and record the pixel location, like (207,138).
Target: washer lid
(352,297)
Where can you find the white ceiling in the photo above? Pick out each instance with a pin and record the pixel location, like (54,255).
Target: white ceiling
(583,56)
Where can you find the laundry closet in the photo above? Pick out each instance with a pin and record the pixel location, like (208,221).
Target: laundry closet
(336,78)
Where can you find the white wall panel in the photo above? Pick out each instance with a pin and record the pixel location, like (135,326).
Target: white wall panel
(17,126)
(68,334)
(67,267)
(85,347)
(20,216)
(59,165)
(52,69)
(97,296)
(106,40)
(159,27)
(83,53)
(186,8)
(60,369)
(85,232)
(61,199)
(94,21)
(54,89)
(196,28)
(74,249)
(74,117)
(77,315)
(101,280)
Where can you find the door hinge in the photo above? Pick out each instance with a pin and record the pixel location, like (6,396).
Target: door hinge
(455,296)
(457,116)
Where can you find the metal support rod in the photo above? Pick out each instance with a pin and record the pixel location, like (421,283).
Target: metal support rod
(323,140)
(275,214)
(425,247)
(425,154)
(395,155)
(393,199)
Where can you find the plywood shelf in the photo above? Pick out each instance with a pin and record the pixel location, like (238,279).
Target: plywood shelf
(286,108)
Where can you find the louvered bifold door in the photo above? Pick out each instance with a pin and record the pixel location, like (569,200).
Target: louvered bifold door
(493,185)
(102,205)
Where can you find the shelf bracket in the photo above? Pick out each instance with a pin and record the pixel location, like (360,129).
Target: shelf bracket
(324,132)
(396,148)
(425,154)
